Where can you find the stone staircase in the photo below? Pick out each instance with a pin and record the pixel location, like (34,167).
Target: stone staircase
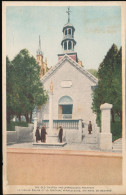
(90,138)
(117,145)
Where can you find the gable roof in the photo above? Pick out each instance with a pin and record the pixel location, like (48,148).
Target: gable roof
(72,62)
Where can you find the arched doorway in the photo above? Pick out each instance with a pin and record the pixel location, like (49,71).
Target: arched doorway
(65,107)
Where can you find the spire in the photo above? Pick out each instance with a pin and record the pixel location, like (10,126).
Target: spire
(68,12)
(39,43)
(39,51)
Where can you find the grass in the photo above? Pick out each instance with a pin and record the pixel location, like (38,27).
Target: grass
(116,130)
(11,126)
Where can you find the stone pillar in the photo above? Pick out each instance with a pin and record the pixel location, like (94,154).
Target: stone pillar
(105,137)
(50,132)
(35,126)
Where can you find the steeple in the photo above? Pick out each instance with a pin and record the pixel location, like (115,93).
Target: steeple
(39,58)
(39,51)
(68,43)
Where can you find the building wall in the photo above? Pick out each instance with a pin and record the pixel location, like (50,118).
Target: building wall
(80,92)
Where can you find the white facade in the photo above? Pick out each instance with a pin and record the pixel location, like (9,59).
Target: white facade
(69,79)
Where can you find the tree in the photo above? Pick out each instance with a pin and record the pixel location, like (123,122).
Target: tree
(9,82)
(107,88)
(27,89)
(117,85)
(93,72)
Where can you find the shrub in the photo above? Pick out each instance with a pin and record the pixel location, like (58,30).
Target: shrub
(12,124)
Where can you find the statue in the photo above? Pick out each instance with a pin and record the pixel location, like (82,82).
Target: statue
(51,87)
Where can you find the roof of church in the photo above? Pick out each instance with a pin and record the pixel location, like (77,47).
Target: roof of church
(75,64)
(68,25)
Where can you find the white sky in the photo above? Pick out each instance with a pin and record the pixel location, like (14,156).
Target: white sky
(96,29)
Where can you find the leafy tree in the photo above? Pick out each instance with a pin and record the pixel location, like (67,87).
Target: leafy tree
(93,72)
(117,85)
(108,84)
(9,81)
(27,89)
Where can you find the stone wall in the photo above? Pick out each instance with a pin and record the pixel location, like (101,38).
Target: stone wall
(21,134)
(73,136)
(11,137)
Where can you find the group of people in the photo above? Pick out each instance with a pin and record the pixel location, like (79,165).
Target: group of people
(42,137)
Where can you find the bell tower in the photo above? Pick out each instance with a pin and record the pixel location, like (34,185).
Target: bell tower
(39,54)
(40,60)
(68,43)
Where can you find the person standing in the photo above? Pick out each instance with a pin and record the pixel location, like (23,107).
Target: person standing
(60,134)
(37,134)
(89,127)
(43,134)
(82,129)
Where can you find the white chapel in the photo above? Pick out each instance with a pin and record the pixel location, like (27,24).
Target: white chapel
(72,88)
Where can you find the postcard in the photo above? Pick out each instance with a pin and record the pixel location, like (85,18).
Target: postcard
(63,97)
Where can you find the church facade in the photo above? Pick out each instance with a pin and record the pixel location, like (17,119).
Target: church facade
(72,88)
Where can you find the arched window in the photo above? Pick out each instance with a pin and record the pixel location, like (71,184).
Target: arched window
(65,100)
(69,45)
(69,32)
(65,45)
(66,32)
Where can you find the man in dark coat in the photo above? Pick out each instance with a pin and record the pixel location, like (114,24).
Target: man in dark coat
(60,134)
(89,127)
(37,134)
(82,129)
(43,134)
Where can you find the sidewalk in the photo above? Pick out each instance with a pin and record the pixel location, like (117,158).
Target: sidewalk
(33,166)
(75,146)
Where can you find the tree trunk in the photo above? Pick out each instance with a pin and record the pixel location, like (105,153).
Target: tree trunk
(8,118)
(30,116)
(120,116)
(19,118)
(112,114)
(27,118)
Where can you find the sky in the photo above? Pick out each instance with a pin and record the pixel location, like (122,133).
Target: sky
(96,29)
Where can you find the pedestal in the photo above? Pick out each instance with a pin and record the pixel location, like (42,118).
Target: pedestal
(105,137)
(105,141)
(52,139)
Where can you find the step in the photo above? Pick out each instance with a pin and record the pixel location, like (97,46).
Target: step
(50,144)
(117,150)
(117,145)
(90,140)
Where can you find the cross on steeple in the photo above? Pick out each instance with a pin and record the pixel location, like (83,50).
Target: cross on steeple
(68,12)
